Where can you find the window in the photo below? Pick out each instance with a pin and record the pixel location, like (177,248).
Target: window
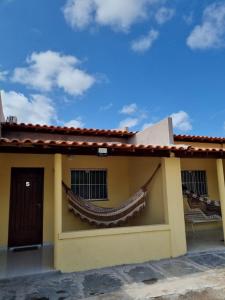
(89,184)
(195,181)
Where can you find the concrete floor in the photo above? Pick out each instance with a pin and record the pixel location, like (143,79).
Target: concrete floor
(205,240)
(198,275)
(13,264)
(164,279)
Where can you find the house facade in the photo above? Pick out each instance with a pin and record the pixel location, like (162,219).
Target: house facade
(104,167)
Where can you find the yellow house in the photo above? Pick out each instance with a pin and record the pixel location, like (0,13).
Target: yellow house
(103,168)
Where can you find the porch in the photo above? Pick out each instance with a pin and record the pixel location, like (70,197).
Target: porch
(205,178)
(157,232)
(153,234)
(205,240)
(26,261)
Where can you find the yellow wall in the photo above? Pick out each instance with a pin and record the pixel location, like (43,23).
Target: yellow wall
(223,162)
(7,161)
(108,247)
(172,188)
(125,176)
(118,188)
(78,249)
(87,249)
(221,188)
(208,165)
(140,170)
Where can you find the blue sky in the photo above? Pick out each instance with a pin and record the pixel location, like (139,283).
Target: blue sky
(113,63)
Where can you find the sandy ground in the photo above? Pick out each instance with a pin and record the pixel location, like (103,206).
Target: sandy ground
(208,285)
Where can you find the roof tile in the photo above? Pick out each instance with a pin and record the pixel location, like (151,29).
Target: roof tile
(198,138)
(67,130)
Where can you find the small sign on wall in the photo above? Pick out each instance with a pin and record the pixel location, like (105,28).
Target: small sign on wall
(27,183)
(102,151)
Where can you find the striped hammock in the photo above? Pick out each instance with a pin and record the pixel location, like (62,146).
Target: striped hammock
(205,200)
(108,217)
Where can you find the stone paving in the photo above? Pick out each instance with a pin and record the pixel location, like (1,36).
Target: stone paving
(99,283)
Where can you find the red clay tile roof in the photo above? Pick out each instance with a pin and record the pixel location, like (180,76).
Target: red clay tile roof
(199,138)
(102,132)
(67,130)
(61,143)
(90,148)
(76,147)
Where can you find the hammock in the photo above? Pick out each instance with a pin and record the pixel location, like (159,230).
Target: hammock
(208,206)
(108,217)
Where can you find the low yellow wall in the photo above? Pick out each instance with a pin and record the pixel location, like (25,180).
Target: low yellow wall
(78,251)
(7,161)
(204,226)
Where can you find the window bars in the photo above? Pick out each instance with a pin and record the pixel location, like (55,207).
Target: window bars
(90,184)
(195,181)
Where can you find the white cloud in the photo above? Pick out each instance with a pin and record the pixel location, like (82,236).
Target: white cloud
(3,75)
(211,33)
(135,115)
(164,14)
(47,70)
(129,109)
(145,42)
(79,13)
(118,14)
(76,123)
(181,121)
(129,122)
(37,109)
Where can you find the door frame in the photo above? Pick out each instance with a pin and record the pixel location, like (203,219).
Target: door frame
(42,174)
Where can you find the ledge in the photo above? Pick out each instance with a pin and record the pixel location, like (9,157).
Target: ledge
(112,231)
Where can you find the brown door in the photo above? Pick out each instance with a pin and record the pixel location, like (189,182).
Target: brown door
(26,207)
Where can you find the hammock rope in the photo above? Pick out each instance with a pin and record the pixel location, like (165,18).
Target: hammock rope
(105,216)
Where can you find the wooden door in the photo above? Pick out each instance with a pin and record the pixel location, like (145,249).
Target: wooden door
(26,207)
